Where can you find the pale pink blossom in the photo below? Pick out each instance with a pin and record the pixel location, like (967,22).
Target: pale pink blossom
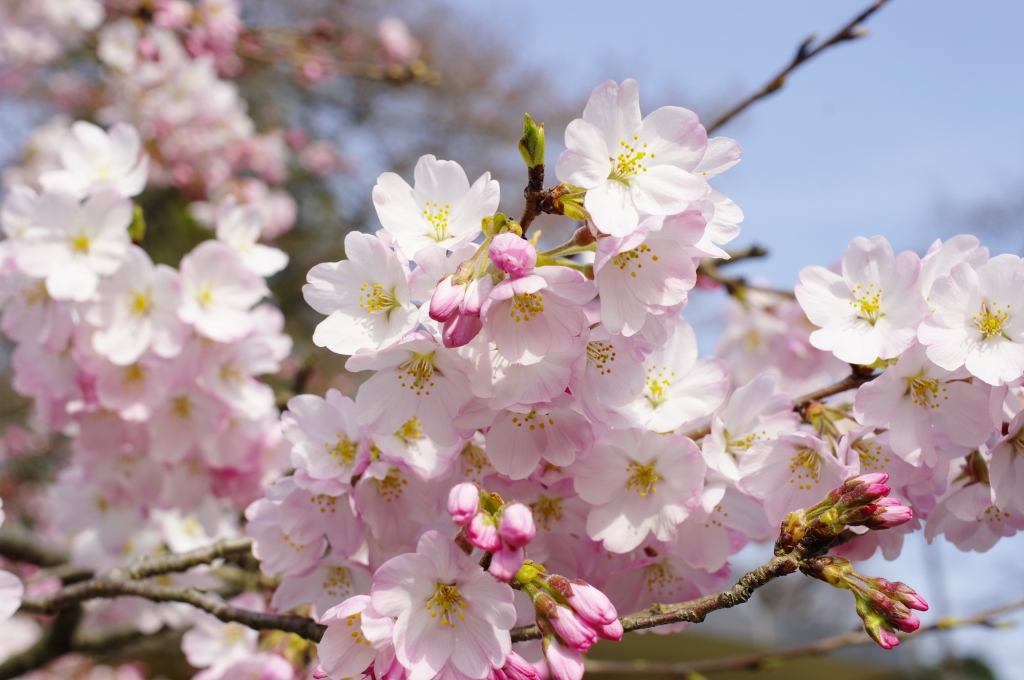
(977,322)
(326,440)
(333,580)
(917,400)
(240,226)
(75,244)
(613,376)
(394,503)
(1007,467)
(447,609)
(277,551)
(871,311)
(366,297)
(970,519)
(942,256)
(679,388)
(218,292)
(95,160)
(754,412)
(441,209)
(629,166)
(346,649)
(214,643)
(639,483)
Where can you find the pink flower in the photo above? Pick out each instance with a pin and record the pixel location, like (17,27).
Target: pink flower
(591,604)
(218,291)
(447,609)
(516,526)
(463,501)
(564,663)
(513,254)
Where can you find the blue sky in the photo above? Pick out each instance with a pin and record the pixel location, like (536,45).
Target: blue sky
(885,135)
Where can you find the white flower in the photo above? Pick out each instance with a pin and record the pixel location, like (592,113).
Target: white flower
(240,227)
(629,166)
(75,244)
(678,388)
(218,291)
(979,320)
(447,609)
(94,160)
(442,208)
(137,309)
(119,44)
(639,483)
(870,312)
(366,296)
(327,442)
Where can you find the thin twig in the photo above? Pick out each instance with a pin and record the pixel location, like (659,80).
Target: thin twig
(851,31)
(761,659)
(754,251)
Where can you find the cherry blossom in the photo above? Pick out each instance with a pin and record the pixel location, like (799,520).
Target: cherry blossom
(629,165)
(870,311)
(218,291)
(11,588)
(95,159)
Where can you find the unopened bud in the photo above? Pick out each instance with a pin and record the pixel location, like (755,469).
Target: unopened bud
(460,329)
(446,299)
(583,236)
(876,626)
(898,591)
(564,663)
(610,631)
(531,146)
(513,255)
(574,631)
(591,604)
(482,533)
(463,501)
(544,603)
(506,562)
(889,513)
(518,668)
(559,584)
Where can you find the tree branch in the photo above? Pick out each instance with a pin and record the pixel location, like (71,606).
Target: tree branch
(851,31)
(19,546)
(759,660)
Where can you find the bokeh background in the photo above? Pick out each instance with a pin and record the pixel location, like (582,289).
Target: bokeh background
(915,132)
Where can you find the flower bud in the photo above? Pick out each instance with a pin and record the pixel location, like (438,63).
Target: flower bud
(900,592)
(559,584)
(506,562)
(513,255)
(482,533)
(876,626)
(460,329)
(319,673)
(544,603)
(516,526)
(895,613)
(889,514)
(446,298)
(463,501)
(518,668)
(564,663)
(531,146)
(575,632)
(610,631)
(591,604)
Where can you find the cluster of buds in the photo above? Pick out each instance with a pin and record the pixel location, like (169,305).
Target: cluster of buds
(860,502)
(572,615)
(884,606)
(502,529)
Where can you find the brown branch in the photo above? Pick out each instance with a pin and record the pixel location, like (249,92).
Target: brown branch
(761,659)
(851,31)
(20,546)
(534,194)
(754,251)
(735,285)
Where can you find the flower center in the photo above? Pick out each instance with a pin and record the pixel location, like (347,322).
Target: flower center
(35,293)
(80,242)
(344,450)
(526,306)
(739,444)
(631,258)
(447,602)
(438,218)
(643,479)
(132,375)
(418,373)
(866,302)
(600,355)
(532,419)
(181,406)
(473,459)
(410,431)
(805,465)
(547,509)
(658,384)
(392,486)
(139,302)
(990,320)
(104,172)
(357,634)
(337,582)
(926,391)
(378,299)
(662,579)
(205,297)
(629,162)
(870,453)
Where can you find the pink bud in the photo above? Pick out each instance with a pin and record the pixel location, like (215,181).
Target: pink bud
(591,604)
(885,638)
(482,533)
(463,501)
(478,291)
(907,624)
(563,663)
(460,329)
(513,254)
(516,526)
(870,478)
(575,632)
(518,668)
(506,562)
(319,673)
(610,631)
(914,601)
(889,515)
(446,299)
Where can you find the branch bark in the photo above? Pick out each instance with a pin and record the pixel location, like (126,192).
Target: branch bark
(759,660)
(851,31)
